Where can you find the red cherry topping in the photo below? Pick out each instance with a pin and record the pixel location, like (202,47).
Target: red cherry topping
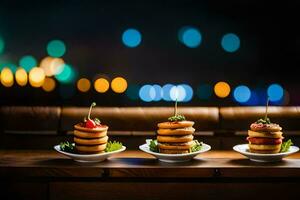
(90,124)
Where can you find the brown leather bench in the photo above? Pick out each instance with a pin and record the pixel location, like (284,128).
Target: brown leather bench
(42,127)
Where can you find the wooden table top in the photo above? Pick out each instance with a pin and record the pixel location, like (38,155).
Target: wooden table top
(136,164)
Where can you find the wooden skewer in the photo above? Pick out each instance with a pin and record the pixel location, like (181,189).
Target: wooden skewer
(266,114)
(175,110)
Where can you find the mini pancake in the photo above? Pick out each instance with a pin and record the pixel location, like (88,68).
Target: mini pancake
(176,146)
(260,140)
(94,141)
(262,147)
(277,134)
(265,127)
(90,149)
(184,138)
(82,134)
(80,127)
(173,125)
(178,131)
(172,151)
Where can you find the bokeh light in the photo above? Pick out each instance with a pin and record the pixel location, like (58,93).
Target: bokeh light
(9,65)
(2,45)
(230,42)
(119,85)
(66,75)
(190,36)
(83,85)
(36,77)
(166,92)
(222,89)
(27,62)
(144,93)
(275,92)
(7,77)
(56,48)
(52,66)
(189,93)
(178,92)
(132,92)
(242,94)
(204,91)
(156,92)
(49,84)
(101,85)
(131,38)
(21,76)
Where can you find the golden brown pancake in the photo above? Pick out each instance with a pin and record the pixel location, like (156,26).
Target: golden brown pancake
(178,131)
(173,125)
(94,141)
(176,146)
(91,149)
(171,151)
(184,138)
(90,130)
(277,134)
(83,134)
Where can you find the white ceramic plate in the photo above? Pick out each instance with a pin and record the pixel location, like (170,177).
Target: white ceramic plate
(174,158)
(258,157)
(88,157)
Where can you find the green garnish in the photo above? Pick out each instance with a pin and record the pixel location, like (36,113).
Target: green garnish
(196,147)
(266,120)
(97,121)
(113,146)
(153,146)
(286,146)
(176,117)
(67,147)
(263,121)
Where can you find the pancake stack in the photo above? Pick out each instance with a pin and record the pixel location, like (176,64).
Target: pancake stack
(90,140)
(264,137)
(175,137)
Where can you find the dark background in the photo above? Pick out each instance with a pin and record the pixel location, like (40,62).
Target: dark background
(92,30)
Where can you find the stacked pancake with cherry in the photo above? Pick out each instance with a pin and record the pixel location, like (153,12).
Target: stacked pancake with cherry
(175,136)
(265,137)
(90,136)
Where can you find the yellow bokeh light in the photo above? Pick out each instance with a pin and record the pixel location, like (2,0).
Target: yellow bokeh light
(222,89)
(49,84)
(119,85)
(36,77)
(101,85)
(52,66)
(7,77)
(21,76)
(83,85)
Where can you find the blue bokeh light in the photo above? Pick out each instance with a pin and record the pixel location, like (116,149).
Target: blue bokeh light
(144,93)
(242,94)
(131,38)
(158,92)
(188,92)
(230,42)
(275,92)
(166,92)
(177,92)
(190,37)
(67,74)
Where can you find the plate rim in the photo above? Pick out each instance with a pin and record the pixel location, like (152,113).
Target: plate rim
(57,148)
(235,148)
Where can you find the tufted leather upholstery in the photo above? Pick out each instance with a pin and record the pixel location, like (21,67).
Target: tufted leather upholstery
(25,119)
(140,118)
(240,118)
